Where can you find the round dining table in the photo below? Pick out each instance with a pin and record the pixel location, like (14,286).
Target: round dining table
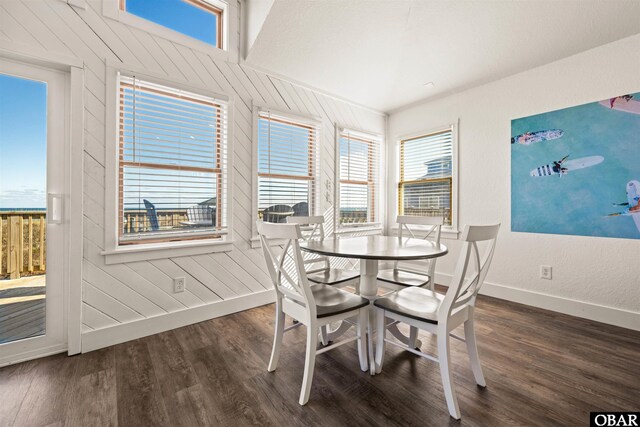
(370,250)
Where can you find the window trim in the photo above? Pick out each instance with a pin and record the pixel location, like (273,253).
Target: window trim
(451,231)
(113,251)
(368,226)
(314,121)
(111,9)
(218,169)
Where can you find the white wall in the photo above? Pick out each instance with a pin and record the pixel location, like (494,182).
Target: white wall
(256,13)
(125,301)
(597,278)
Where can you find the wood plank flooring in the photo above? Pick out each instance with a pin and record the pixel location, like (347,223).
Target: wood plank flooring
(542,368)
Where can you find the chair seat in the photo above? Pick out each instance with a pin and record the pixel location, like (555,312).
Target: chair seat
(403,278)
(417,303)
(333,276)
(331,301)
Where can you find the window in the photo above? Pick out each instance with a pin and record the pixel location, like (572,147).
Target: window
(358,182)
(286,167)
(199,19)
(425,186)
(172,165)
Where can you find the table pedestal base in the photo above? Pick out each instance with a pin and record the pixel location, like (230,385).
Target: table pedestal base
(369,290)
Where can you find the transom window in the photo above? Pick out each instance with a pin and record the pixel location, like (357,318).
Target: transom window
(286,167)
(172,164)
(425,186)
(358,183)
(200,19)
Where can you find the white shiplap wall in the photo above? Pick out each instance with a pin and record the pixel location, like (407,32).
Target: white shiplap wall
(140,294)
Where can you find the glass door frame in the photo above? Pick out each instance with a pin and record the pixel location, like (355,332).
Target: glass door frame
(63,326)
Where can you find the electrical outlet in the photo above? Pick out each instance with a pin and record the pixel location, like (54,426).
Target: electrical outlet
(179,284)
(545,272)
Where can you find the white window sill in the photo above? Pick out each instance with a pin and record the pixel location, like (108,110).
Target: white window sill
(446,233)
(144,252)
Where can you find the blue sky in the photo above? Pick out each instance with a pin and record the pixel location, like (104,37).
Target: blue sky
(177,15)
(23,133)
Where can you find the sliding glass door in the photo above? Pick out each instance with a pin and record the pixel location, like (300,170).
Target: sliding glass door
(32,150)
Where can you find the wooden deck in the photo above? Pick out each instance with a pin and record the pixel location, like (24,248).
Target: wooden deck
(22,308)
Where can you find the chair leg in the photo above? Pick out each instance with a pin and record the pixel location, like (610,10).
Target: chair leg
(380,345)
(413,336)
(324,336)
(363,319)
(277,339)
(446,374)
(309,362)
(472,349)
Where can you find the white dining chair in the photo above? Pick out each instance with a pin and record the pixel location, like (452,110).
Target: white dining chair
(416,273)
(318,267)
(312,305)
(440,314)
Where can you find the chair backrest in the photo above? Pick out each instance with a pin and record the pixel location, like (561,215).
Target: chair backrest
(200,213)
(433,226)
(464,288)
(301,209)
(152,215)
(285,264)
(276,213)
(313,231)
(315,223)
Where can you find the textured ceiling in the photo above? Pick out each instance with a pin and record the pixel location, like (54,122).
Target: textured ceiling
(380,53)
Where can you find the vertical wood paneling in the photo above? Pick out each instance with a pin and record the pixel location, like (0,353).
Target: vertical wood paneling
(116,294)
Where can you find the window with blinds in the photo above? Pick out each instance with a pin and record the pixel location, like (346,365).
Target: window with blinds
(286,167)
(172,164)
(199,19)
(358,183)
(426,175)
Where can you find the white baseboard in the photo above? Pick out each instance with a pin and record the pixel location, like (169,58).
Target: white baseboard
(32,354)
(599,313)
(101,338)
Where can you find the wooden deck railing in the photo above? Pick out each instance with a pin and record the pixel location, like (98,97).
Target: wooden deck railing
(23,247)
(444,213)
(138,220)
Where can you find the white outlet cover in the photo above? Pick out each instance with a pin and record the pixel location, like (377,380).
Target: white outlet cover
(179,284)
(545,272)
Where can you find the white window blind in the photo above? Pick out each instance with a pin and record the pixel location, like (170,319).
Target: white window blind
(286,167)
(359,166)
(426,175)
(172,164)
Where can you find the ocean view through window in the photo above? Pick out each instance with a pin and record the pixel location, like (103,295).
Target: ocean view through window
(172,164)
(23,201)
(358,178)
(286,167)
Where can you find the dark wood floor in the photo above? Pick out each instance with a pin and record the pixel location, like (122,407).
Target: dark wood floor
(542,368)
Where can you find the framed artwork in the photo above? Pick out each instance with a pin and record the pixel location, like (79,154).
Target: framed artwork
(576,171)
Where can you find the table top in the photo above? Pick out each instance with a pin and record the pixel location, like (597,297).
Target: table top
(376,247)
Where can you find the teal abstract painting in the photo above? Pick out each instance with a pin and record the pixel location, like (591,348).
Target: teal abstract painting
(576,171)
